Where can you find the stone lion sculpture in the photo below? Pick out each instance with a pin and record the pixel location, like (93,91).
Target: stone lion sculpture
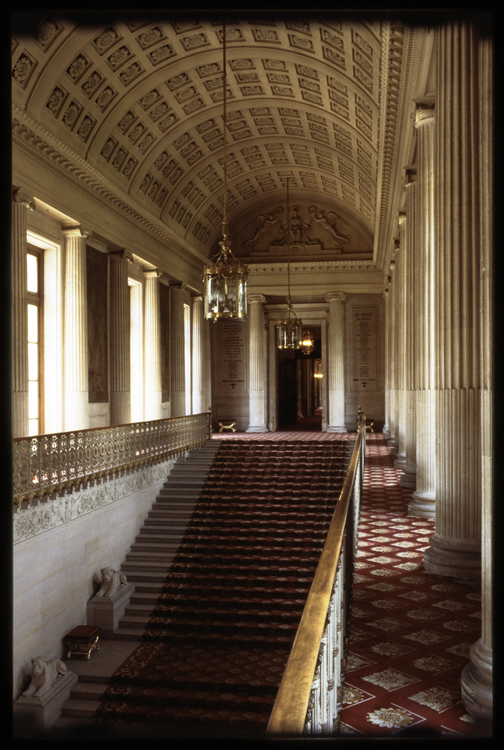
(111,581)
(44,674)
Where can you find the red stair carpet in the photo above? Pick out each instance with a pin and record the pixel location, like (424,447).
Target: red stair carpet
(215,649)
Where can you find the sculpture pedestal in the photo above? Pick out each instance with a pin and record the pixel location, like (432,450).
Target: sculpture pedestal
(106,611)
(35,714)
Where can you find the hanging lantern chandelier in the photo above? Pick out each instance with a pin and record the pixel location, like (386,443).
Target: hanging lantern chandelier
(225,278)
(307,344)
(289,329)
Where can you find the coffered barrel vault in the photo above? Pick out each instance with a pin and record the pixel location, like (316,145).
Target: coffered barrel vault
(309,99)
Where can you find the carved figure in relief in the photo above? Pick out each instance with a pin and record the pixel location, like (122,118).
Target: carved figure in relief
(327,220)
(44,674)
(112,580)
(268,230)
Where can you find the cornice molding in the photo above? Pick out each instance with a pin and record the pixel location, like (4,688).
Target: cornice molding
(30,136)
(401,59)
(305,268)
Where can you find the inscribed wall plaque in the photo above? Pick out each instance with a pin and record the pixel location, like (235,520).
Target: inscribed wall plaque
(364,349)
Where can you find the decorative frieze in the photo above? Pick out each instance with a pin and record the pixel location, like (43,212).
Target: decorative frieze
(49,513)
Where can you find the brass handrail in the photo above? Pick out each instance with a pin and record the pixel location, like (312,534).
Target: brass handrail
(288,716)
(57,462)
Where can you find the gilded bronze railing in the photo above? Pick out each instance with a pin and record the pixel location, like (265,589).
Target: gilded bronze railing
(48,464)
(309,697)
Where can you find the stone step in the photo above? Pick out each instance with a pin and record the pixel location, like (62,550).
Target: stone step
(138,574)
(158,561)
(80,707)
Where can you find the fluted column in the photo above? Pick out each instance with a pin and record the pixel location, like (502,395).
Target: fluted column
(408,478)
(152,347)
(20,203)
(177,359)
(400,354)
(76,368)
(476,683)
(336,363)
(257,366)
(456,545)
(120,380)
(198,353)
(423,503)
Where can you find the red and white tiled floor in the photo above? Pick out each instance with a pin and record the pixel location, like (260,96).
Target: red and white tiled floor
(410,631)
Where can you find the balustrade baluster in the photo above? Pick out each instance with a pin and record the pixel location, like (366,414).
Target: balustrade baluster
(45,464)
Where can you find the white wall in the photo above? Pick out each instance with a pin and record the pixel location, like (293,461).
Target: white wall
(54,570)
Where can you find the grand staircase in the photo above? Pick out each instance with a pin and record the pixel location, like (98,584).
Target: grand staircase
(222,568)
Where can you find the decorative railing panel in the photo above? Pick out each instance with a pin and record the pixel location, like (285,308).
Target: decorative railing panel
(47,464)
(310,694)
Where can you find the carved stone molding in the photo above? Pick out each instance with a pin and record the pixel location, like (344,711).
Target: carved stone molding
(49,513)
(28,135)
(301,269)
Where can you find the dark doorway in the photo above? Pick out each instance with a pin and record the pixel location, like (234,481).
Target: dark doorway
(299,401)
(287,392)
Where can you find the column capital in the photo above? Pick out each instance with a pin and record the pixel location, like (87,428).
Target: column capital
(151,273)
(121,255)
(335,297)
(257,298)
(424,110)
(410,174)
(76,230)
(23,199)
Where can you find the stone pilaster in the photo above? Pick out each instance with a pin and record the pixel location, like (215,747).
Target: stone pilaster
(476,682)
(177,346)
(152,347)
(400,352)
(76,369)
(120,381)
(20,203)
(199,404)
(257,368)
(423,502)
(456,545)
(390,321)
(336,363)
(408,478)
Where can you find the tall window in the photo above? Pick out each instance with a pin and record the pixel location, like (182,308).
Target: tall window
(34,292)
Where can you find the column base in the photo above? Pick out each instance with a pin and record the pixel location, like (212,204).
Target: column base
(400,461)
(408,479)
(336,428)
(423,505)
(258,428)
(453,559)
(476,682)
